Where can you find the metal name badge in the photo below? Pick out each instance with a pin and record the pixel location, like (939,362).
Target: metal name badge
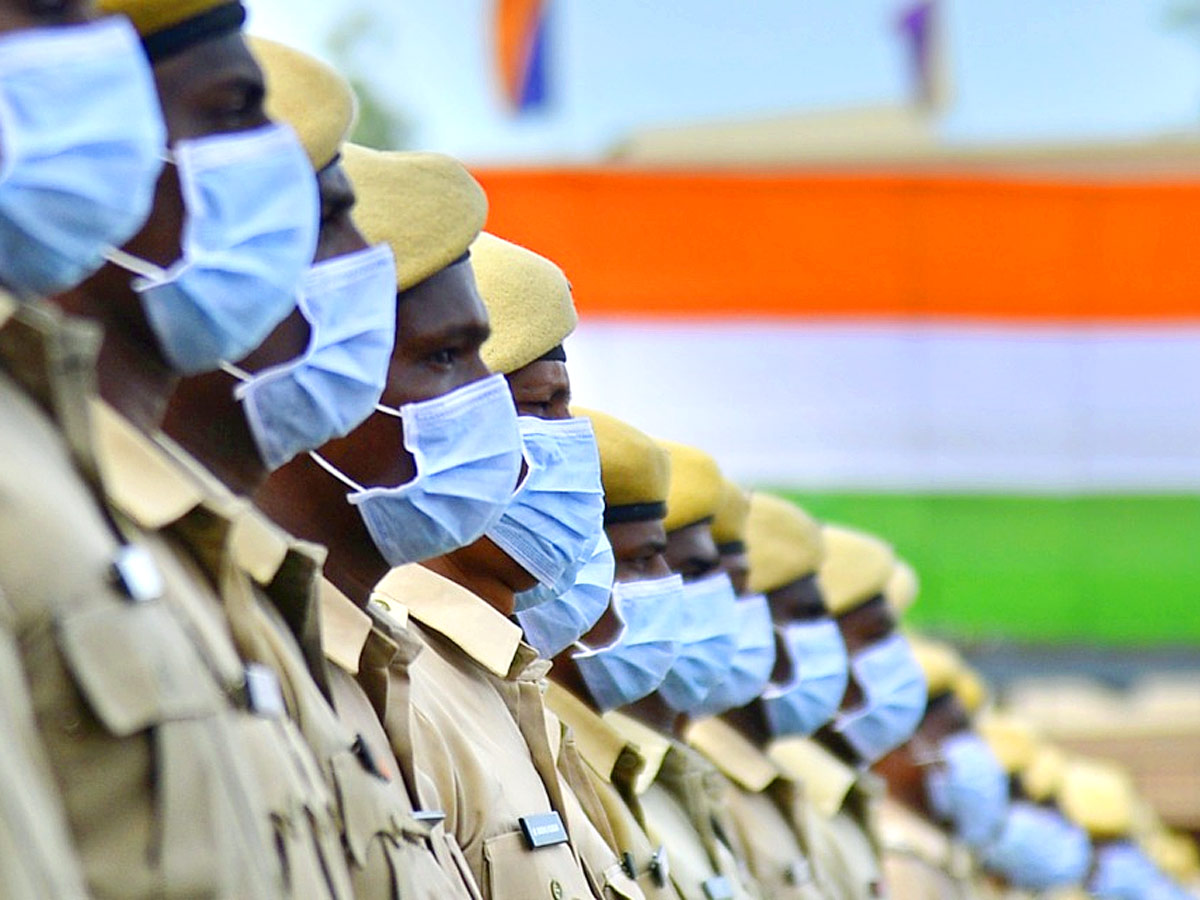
(543,830)
(136,574)
(263,692)
(718,888)
(430,817)
(660,867)
(799,872)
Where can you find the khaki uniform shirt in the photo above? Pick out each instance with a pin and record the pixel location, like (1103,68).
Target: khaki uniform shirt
(774,850)
(920,862)
(599,763)
(480,744)
(682,809)
(135,687)
(157,484)
(37,859)
(843,804)
(391,841)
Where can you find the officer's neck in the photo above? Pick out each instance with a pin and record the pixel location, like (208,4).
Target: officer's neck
(566,674)
(131,374)
(653,711)
(310,504)
(838,746)
(206,419)
(486,584)
(905,780)
(749,722)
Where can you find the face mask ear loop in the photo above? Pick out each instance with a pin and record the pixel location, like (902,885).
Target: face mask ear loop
(335,472)
(135,265)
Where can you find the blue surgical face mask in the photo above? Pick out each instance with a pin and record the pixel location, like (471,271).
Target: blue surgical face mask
(557,513)
(1038,849)
(968,788)
(250,230)
(1122,872)
(553,626)
(753,659)
(818,683)
(468,452)
(81,147)
(707,641)
(894,699)
(633,665)
(350,305)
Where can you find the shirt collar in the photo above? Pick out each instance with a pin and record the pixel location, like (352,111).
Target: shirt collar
(344,628)
(652,746)
(53,358)
(466,620)
(901,830)
(599,743)
(826,779)
(732,753)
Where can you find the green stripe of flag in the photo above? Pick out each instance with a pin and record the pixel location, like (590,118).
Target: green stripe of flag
(1117,569)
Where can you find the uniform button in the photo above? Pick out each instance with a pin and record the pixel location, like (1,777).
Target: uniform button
(556,890)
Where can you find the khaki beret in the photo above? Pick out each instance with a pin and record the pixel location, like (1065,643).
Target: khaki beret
(152,16)
(902,588)
(729,524)
(783,542)
(1012,739)
(528,300)
(939,661)
(696,485)
(308,95)
(971,689)
(634,469)
(1043,774)
(856,568)
(1097,796)
(425,206)
(1175,854)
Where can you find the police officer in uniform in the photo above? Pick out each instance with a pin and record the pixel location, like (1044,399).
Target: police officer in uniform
(785,841)
(52,67)
(347,308)
(882,705)
(683,804)
(148,715)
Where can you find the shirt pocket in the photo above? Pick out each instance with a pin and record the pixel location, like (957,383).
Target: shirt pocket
(136,667)
(512,871)
(144,680)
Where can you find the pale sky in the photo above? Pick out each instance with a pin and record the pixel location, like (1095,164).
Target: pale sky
(1022,69)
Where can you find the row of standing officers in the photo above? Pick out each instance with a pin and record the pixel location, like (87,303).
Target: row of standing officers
(314,584)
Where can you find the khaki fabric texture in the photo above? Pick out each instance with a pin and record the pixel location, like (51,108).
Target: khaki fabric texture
(311,97)
(919,860)
(772,847)
(596,759)
(479,740)
(425,206)
(844,805)
(683,809)
(134,702)
(290,767)
(37,858)
(392,854)
(528,300)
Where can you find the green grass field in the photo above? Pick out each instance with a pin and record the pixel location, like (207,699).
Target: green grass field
(1122,569)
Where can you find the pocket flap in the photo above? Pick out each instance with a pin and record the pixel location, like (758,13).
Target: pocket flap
(136,666)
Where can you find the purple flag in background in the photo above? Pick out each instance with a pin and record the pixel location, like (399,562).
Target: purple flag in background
(916,23)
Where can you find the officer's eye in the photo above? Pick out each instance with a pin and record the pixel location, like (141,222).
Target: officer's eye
(445,357)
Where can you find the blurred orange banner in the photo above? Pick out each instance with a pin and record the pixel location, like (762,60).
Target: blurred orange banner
(795,245)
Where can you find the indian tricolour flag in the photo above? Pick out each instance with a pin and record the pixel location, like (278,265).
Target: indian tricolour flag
(1001,376)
